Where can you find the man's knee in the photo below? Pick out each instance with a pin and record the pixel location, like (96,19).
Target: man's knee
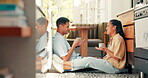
(89,61)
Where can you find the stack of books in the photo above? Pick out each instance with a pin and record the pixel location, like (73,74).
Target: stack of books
(12,13)
(5,73)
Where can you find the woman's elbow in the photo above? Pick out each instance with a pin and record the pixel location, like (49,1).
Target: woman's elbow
(117,59)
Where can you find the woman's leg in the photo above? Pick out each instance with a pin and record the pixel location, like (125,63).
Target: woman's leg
(91,62)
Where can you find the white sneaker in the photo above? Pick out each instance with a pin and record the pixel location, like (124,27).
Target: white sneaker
(44,63)
(57,63)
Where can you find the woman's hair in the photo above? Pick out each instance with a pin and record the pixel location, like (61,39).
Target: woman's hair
(118,25)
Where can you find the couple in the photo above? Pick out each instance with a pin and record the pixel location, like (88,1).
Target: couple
(65,58)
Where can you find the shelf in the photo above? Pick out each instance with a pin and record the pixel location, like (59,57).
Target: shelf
(15,31)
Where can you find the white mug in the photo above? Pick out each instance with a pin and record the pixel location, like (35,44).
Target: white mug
(79,38)
(101,45)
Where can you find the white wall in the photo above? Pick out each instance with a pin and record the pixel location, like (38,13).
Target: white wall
(114,7)
(76,12)
(104,12)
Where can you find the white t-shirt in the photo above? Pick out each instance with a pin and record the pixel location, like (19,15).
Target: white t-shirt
(41,46)
(61,46)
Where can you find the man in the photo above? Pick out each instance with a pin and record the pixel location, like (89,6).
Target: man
(60,45)
(41,27)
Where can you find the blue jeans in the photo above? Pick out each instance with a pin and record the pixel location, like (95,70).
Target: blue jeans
(91,62)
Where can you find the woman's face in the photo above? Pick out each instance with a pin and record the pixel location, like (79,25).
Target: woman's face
(110,28)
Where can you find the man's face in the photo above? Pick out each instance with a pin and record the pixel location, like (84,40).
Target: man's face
(39,28)
(65,28)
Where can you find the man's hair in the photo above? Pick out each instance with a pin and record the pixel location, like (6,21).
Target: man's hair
(61,20)
(42,21)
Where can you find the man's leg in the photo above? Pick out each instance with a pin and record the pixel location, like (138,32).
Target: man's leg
(58,63)
(67,65)
(38,63)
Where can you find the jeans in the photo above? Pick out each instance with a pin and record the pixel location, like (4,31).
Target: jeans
(91,62)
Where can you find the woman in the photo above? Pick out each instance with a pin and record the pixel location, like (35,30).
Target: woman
(114,60)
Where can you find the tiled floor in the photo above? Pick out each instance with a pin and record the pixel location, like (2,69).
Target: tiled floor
(85,75)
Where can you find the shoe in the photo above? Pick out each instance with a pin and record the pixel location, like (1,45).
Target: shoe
(44,63)
(58,63)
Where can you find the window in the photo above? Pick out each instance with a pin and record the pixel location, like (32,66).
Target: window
(78,11)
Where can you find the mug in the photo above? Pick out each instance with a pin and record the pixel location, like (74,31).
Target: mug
(101,45)
(79,38)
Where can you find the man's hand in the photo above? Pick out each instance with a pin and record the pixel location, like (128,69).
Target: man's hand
(81,42)
(78,42)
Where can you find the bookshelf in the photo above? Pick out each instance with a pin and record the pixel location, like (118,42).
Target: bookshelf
(15,31)
(17,51)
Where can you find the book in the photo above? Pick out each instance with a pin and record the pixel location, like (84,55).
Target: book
(16,12)
(13,21)
(9,7)
(6,18)
(5,73)
(11,14)
(20,3)
(10,1)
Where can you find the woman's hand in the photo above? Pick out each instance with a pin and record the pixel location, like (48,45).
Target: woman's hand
(101,48)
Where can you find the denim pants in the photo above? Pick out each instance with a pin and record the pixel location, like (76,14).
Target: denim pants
(91,62)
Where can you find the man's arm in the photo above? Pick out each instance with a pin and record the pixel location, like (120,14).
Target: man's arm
(67,57)
(75,43)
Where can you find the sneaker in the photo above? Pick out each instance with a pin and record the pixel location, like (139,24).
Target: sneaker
(57,63)
(44,63)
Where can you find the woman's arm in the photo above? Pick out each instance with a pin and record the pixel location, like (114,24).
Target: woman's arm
(111,54)
(107,51)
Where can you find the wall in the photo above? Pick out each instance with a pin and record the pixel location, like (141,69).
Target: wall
(77,16)
(18,54)
(113,7)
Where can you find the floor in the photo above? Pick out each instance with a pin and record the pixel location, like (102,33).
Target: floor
(87,73)
(91,52)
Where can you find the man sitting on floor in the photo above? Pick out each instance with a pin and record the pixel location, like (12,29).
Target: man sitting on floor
(60,45)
